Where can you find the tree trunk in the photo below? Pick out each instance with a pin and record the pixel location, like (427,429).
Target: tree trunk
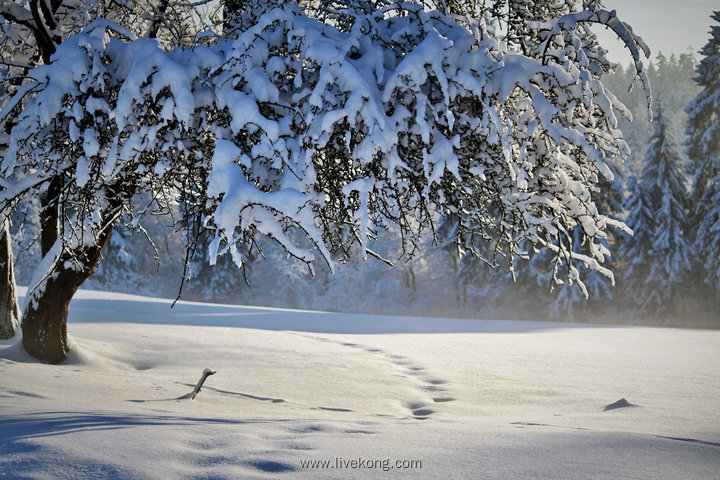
(9,311)
(44,322)
(49,215)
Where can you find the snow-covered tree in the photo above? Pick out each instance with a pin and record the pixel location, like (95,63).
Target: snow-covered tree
(634,248)
(317,138)
(703,150)
(9,310)
(661,273)
(30,33)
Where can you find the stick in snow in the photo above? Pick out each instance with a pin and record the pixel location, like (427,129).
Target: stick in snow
(206,374)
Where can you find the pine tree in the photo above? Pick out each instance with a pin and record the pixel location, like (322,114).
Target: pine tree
(703,150)
(640,219)
(660,251)
(707,244)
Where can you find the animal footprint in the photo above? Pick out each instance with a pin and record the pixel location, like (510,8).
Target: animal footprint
(269,466)
(443,399)
(436,381)
(373,350)
(423,412)
(419,410)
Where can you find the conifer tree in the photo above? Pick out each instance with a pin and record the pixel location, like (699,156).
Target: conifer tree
(640,219)
(703,150)
(658,217)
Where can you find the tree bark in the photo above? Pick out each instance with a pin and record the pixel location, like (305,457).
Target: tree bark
(44,322)
(9,311)
(49,215)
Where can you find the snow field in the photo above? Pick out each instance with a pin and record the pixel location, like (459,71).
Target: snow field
(469,399)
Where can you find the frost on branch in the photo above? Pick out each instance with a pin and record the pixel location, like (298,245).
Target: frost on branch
(318,138)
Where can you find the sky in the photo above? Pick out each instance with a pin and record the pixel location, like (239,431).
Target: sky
(667,26)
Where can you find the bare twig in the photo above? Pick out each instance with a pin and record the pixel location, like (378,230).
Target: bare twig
(199,385)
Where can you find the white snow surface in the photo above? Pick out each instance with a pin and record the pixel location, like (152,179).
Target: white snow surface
(468,398)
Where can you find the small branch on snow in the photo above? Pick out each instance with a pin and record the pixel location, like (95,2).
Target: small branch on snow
(199,385)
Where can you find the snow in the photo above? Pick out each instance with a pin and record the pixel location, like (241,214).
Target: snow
(469,398)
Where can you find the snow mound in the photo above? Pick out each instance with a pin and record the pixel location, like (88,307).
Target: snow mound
(98,355)
(622,403)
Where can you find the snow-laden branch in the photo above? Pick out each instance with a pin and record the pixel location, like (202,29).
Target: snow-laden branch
(318,137)
(567,24)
